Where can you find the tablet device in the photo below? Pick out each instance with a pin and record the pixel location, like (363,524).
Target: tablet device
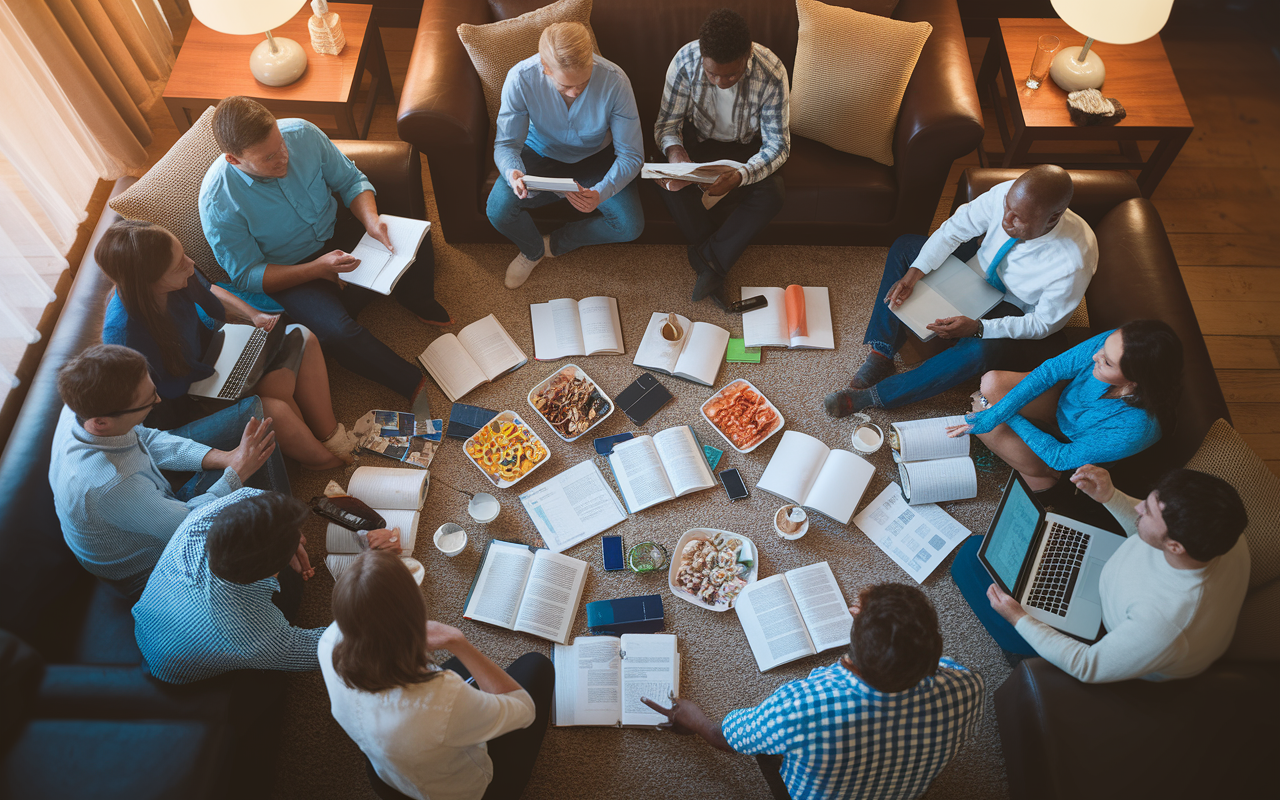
(643,398)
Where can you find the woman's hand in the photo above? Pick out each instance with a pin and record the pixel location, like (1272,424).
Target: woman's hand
(956,431)
(443,637)
(1095,482)
(385,539)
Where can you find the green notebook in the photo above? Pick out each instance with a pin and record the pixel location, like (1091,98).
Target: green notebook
(737,352)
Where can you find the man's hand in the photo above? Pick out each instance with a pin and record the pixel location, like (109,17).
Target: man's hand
(517,184)
(1095,482)
(256,445)
(301,562)
(585,200)
(901,290)
(335,263)
(264,320)
(378,230)
(1005,605)
(385,539)
(676,154)
(954,327)
(686,717)
(727,182)
(445,637)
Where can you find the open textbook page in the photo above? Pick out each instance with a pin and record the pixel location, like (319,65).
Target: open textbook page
(805,471)
(587,327)
(654,469)
(573,506)
(480,353)
(694,172)
(523,589)
(397,495)
(771,326)
(918,538)
(600,679)
(380,269)
(796,614)
(954,289)
(933,467)
(696,357)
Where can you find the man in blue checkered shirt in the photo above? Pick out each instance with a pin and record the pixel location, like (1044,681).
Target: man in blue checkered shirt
(879,724)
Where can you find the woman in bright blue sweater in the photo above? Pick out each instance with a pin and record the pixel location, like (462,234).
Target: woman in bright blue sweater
(1103,400)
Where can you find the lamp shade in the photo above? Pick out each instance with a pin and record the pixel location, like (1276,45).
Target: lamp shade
(1110,21)
(243,17)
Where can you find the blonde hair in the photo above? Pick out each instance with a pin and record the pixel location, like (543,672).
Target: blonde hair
(566,46)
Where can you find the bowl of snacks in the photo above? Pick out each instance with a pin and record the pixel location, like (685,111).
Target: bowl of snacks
(743,416)
(505,449)
(711,567)
(570,402)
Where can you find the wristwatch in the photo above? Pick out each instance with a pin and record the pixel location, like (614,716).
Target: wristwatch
(978,333)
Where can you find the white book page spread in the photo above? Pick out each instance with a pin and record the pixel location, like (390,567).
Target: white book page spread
(589,681)
(493,350)
(817,316)
(924,439)
(766,327)
(683,460)
(500,585)
(840,484)
(551,596)
(339,540)
(794,467)
(380,268)
(573,506)
(389,487)
(940,480)
(703,353)
(917,538)
(649,664)
(640,473)
(693,171)
(771,620)
(557,330)
(452,367)
(948,291)
(825,612)
(407,522)
(601,326)
(656,352)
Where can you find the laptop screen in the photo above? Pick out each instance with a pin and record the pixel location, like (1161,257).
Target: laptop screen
(1011,535)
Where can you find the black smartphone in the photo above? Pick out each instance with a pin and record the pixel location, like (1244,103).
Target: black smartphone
(604,445)
(642,399)
(747,304)
(734,486)
(611,546)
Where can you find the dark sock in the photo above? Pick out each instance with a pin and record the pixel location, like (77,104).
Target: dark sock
(874,369)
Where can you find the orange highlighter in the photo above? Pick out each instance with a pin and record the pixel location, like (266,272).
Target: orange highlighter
(797,325)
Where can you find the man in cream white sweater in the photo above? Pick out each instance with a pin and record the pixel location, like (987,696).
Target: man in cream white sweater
(1170,595)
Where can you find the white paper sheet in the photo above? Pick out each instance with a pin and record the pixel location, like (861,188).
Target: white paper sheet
(917,538)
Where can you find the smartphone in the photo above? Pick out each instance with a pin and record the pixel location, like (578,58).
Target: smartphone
(747,304)
(612,548)
(734,486)
(604,445)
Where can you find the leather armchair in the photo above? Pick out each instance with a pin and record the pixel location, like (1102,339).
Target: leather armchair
(832,197)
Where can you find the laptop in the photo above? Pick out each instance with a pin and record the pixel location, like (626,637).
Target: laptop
(239,354)
(1049,563)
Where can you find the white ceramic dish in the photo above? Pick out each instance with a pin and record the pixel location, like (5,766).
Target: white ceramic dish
(782,421)
(448,529)
(708,534)
(578,372)
(861,446)
(506,416)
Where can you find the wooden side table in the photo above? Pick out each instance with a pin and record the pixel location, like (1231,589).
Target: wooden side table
(211,66)
(1138,75)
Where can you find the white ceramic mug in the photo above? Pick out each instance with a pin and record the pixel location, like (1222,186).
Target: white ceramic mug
(873,440)
(447,539)
(484,507)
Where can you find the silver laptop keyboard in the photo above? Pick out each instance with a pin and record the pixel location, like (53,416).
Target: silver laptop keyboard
(234,386)
(1059,568)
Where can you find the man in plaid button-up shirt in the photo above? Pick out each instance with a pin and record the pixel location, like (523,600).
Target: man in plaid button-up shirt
(733,93)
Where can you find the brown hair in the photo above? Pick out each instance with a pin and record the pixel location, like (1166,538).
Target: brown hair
(895,642)
(135,254)
(102,380)
(383,619)
(241,122)
(566,46)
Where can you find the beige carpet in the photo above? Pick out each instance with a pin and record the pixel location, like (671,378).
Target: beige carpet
(318,760)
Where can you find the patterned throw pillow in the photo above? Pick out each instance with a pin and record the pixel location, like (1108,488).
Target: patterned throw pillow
(169,194)
(850,74)
(497,47)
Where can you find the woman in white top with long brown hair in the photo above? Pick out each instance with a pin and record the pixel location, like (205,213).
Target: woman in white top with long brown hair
(425,730)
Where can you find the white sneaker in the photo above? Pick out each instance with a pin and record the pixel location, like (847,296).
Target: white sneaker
(519,269)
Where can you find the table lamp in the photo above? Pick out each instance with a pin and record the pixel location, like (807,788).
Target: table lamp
(1109,21)
(275,62)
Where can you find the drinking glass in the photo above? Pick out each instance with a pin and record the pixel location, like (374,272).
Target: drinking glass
(1045,48)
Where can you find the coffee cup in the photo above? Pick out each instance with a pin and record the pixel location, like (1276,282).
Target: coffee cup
(450,539)
(483,507)
(671,330)
(791,522)
(867,438)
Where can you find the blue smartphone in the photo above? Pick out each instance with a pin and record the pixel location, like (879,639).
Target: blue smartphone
(612,547)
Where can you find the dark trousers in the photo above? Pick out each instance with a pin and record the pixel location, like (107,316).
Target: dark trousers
(513,754)
(330,311)
(720,237)
(771,768)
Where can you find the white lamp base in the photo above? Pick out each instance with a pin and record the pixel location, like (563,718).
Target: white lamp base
(1072,75)
(280,65)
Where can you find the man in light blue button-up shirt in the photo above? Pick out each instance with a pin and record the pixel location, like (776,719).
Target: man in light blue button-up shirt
(561,111)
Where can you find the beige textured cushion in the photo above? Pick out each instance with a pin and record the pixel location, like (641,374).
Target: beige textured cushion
(169,194)
(1224,454)
(851,71)
(497,47)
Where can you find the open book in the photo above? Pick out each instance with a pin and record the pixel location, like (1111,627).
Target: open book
(600,679)
(397,495)
(934,467)
(586,327)
(481,352)
(806,472)
(954,289)
(573,506)
(796,614)
(658,468)
(696,357)
(380,269)
(776,324)
(694,172)
(522,588)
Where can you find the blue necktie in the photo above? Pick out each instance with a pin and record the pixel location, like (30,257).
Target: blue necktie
(1001,254)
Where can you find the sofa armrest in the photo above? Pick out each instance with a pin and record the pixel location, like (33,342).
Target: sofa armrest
(1096,191)
(442,104)
(395,170)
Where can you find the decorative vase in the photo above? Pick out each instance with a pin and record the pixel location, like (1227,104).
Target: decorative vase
(326,29)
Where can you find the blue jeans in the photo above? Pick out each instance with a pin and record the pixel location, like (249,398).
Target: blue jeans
(620,219)
(965,359)
(973,579)
(222,431)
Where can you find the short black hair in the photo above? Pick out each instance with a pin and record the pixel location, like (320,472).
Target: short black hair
(724,37)
(1203,513)
(895,642)
(255,537)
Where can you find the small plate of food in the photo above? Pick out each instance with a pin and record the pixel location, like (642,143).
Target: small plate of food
(711,567)
(570,402)
(743,416)
(506,449)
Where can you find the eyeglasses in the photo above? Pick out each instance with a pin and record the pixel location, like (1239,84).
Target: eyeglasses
(147,407)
